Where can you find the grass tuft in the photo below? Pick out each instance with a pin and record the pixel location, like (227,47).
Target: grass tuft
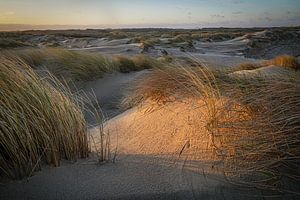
(285,61)
(40,121)
(125,64)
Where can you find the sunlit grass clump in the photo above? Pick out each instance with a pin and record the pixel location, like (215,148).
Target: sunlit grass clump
(40,121)
(285,61)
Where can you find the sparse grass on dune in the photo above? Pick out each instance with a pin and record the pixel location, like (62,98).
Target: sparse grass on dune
(33,57)
(254,123)
(86,66)
(258,132)
(181,38)
(285,61)
(136,63)
(6,43)
(247,66)
(145,62)
(39,121)
(81,66)
(167,83)
(70,64)
(125,64)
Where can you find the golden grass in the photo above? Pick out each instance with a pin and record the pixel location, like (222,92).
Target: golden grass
(258,132)
(285,61)
(40,121)
(281,61)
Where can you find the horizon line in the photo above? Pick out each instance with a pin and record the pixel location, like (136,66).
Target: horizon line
(26,27)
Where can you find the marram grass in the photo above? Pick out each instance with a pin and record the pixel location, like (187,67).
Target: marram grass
(38,121)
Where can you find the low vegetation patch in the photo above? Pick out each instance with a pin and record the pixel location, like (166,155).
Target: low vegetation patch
(256,132)
(248,66)
(81,66)
(145,62)
(280,61)
(6,43)
(285,61)
(125,64)
(146,44)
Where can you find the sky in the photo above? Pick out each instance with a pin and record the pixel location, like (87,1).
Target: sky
(149,13)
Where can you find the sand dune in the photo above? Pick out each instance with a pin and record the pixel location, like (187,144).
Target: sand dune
(268,72)
(156,159)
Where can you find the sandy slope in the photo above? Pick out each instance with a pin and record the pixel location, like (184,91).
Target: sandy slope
(148,164)
(110,90)
(268,72)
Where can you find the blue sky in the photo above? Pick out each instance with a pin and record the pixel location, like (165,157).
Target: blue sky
(151,13)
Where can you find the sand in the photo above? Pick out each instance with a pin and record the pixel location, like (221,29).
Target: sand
(148,164)
(156,154)
(110,90)
(268,72)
